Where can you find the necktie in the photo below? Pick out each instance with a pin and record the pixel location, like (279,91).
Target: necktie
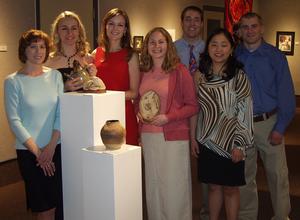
(192,60)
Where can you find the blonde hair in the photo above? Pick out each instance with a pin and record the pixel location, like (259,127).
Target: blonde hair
(82,46)
(171,59)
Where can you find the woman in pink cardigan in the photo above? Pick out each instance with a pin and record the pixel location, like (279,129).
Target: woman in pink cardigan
(165,138)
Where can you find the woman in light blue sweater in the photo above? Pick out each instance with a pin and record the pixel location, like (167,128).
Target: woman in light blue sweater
(32,108)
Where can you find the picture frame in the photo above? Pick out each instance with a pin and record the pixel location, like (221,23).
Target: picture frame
(138,43)
(285,41)
(213,18)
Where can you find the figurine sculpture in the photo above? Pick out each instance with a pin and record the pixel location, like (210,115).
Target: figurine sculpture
(91,84)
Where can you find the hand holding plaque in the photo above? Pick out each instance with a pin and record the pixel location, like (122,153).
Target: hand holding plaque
(149,105)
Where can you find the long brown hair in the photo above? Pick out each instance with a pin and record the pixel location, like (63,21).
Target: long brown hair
(82,46)
(103,40)
(170,61)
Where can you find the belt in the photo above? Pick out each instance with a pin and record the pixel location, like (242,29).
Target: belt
(264,116)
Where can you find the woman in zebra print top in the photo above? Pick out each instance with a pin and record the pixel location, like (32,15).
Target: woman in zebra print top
(225,126)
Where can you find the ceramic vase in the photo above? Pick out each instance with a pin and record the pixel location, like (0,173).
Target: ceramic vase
(113,134)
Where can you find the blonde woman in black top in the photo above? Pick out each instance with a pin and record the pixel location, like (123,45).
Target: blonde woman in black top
(69,44)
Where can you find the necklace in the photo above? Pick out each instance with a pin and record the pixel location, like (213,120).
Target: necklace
(69,58)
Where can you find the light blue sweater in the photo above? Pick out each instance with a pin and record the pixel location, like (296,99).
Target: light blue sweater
(32,106)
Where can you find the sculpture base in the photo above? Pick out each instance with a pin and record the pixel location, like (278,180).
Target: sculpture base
(113,146)
(111,183)
(93,91)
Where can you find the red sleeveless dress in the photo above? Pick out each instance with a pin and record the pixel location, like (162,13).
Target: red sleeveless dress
(115,74)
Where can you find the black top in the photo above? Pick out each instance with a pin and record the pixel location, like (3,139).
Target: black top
(65,72)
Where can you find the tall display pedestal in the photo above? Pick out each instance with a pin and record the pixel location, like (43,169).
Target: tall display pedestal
(112,184)
(82,117)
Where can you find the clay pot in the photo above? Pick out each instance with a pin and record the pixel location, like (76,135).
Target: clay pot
(113,134)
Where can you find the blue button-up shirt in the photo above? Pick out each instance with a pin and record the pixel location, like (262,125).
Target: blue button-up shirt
(272,87)
(183,50)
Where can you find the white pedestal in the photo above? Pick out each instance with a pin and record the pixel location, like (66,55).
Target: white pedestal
(82,117)
(112,184)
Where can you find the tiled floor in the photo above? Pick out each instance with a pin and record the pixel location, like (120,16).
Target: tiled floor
(12,196)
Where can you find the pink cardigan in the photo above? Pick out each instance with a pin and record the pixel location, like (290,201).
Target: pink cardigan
(181,104)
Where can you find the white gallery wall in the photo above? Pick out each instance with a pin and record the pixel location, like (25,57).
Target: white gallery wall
(283,16)
(15,18)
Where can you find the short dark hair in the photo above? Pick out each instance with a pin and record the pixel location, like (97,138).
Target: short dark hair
(191,8)
(30,36)
(251,15)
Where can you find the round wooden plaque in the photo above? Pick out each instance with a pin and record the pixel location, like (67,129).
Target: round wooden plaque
(149,105)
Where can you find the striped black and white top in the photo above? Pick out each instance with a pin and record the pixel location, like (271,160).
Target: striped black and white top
(225,118)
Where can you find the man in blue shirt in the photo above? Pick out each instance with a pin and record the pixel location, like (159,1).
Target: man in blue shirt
(189,48)
(191,41)
(274,108)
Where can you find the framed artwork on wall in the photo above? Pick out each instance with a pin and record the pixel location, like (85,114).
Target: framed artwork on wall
(285,41)
(213,18)
(138,42)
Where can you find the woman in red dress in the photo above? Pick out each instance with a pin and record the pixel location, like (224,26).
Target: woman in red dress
(118,65)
